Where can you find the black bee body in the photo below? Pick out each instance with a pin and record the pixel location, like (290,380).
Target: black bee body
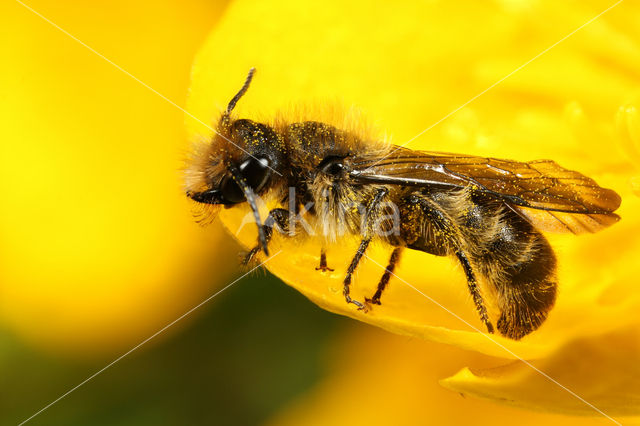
(485,212)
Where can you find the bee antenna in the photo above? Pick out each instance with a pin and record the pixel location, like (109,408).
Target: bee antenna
(241,92)
(251,199)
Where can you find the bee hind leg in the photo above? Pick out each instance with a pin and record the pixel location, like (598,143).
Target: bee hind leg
(323,262)
(475,291)
(384,281)
(448,228)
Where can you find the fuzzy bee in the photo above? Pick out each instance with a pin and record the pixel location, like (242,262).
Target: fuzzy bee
(487,213)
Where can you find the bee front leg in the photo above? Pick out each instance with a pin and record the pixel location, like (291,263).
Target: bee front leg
(277,217)
(384,281)
(323,262)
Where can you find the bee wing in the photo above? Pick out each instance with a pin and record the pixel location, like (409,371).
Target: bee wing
(577,223)
(549,196)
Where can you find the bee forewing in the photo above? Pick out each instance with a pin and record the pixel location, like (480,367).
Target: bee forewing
(540,184)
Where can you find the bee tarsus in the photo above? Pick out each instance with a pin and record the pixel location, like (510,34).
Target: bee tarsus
(323,262)
(250,256)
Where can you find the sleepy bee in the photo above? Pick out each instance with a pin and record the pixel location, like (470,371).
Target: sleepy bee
(486,213)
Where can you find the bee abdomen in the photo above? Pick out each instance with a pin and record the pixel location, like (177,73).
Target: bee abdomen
(521,265)
(529,294)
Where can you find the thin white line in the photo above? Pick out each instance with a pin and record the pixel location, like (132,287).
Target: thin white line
(501,80)
(135,78)
(501,345)
(513,72)
(146,340)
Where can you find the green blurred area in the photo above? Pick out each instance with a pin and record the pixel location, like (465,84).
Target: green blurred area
(253,348)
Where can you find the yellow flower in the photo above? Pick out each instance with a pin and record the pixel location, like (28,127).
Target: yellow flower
(408,66)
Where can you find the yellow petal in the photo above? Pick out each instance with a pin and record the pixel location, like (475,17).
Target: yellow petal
(375,378)
(600,373)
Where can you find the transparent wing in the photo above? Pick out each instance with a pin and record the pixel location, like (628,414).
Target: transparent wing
(571,201)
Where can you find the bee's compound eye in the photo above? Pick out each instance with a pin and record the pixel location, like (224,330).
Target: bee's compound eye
(255,171)
(332,166)
(231,191)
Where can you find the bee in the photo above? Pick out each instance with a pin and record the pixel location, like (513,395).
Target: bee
(487,213)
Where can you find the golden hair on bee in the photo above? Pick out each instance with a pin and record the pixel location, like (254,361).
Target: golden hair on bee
(330,177)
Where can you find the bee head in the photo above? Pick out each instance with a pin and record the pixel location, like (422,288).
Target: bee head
(240,163)
(241,159)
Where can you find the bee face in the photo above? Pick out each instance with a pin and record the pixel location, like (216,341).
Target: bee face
(244,156)
(254,171)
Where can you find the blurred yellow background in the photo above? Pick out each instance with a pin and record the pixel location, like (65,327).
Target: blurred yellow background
(98,244)
(99,250)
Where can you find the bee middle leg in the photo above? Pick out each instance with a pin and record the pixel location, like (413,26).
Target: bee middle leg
(384,281)
(371,208)
(276,217)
